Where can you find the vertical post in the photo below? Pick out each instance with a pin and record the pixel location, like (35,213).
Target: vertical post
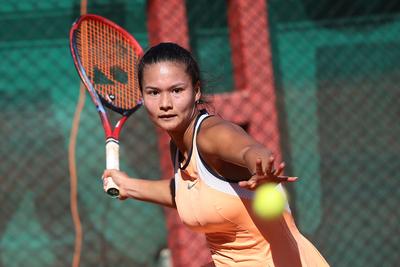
(253,74)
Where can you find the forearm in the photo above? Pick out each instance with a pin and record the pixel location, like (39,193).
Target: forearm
(155,191)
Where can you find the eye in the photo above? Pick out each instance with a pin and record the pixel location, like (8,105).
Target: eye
(177,90)
(152,92)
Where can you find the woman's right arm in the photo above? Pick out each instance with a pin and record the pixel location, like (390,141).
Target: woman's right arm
(156,191)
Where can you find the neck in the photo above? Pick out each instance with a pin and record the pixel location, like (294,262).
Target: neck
(183,139)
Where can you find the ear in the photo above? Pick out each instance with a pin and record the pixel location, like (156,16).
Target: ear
(197,91)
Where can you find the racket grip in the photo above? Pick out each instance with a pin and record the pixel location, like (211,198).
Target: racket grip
(112,162)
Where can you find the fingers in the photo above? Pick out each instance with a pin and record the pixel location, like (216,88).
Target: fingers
(281,178)
(269,175)
(250,184)
(108,173)
(279,171)
(270,165)
(116,177)
(108,177)
(253,184)
(105,182)
(291,179)
(270,168)
(259,169)
(243,184)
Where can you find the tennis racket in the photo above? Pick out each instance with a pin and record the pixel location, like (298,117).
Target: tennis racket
(106,58)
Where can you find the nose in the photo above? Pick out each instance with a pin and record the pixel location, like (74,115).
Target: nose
(165,102)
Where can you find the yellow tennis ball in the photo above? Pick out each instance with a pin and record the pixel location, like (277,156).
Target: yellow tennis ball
(269,202)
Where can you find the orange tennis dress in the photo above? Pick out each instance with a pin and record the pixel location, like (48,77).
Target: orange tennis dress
(209,203)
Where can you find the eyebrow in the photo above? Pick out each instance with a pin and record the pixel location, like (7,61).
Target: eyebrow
(150,87)
(178,84)
(172,86)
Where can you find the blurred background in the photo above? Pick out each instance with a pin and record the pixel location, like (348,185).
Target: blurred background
(317,81)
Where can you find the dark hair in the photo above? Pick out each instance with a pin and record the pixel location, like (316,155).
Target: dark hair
(170,52)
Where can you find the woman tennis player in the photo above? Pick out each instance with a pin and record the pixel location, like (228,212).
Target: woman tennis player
(217,167)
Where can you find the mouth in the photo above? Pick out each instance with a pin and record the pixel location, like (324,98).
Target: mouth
(166,116)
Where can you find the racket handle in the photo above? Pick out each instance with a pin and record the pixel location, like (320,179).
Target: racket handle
(112,162)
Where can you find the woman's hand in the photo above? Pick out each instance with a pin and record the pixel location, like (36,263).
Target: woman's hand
(269,175)
(120,179)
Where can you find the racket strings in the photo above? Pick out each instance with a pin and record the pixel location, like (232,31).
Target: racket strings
(110,61)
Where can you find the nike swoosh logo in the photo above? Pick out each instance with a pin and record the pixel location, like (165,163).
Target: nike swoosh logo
(190,186)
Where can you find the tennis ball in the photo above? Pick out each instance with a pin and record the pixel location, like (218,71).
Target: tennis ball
(269,202)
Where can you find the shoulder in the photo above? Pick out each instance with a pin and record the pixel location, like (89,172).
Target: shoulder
(215,131)
(214,124)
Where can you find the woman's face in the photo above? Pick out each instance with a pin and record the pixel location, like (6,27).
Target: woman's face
(169,96)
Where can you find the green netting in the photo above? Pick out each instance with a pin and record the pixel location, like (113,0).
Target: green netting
(337,73)
(209,40)
(39,87)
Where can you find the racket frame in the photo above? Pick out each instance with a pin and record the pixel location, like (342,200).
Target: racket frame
(111,135)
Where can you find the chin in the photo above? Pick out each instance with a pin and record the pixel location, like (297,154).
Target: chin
(167,125)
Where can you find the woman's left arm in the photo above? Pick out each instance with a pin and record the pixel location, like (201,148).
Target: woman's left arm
(229,142)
